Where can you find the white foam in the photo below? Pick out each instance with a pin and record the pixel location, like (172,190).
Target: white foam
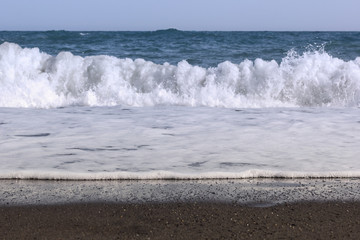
(30,78)
(167,175)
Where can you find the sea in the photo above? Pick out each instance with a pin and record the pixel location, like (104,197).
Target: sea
(173,104)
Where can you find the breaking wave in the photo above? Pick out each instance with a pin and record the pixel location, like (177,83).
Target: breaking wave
(30,78)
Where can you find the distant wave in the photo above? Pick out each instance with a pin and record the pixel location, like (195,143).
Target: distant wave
(30,78)
(169,30)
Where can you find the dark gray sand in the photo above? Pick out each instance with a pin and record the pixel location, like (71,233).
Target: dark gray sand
(222,209)
(181,221)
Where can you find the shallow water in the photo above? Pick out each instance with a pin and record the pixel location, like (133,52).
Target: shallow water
(179,142)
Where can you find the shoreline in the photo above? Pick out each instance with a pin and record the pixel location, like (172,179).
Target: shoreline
(252,192)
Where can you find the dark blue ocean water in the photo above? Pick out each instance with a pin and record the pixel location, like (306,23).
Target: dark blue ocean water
(206,49)
(222,69)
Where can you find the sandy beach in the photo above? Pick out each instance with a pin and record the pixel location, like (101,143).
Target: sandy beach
(331,220)
(216,209)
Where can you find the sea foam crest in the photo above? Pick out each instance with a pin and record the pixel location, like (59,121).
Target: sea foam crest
(167,175)
(30,78)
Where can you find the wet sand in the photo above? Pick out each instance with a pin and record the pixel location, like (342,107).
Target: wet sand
(216,209)
(254,192)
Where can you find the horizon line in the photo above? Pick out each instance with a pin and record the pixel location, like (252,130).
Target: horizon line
(171,29)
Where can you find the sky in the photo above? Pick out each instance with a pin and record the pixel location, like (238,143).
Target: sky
(209,15)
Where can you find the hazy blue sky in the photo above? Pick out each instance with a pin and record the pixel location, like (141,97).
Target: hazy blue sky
(180,14)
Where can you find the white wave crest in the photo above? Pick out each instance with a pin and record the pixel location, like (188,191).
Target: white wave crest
(30,78)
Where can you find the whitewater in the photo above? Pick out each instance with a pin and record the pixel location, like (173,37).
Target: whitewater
(30,78)
(76,115)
